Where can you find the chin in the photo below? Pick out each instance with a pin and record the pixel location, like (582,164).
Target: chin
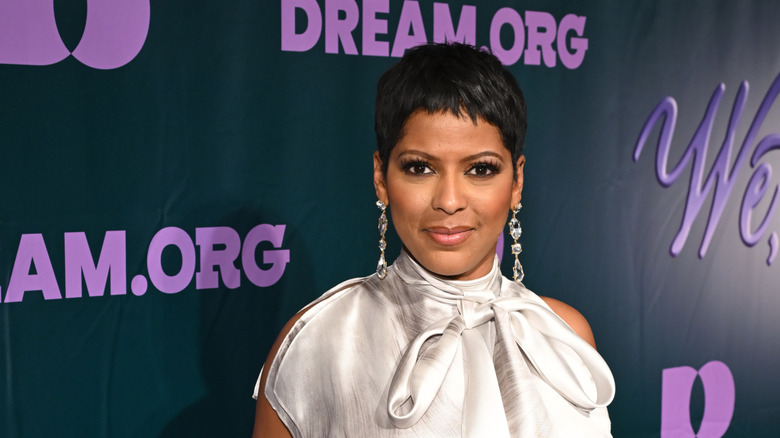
(454,264)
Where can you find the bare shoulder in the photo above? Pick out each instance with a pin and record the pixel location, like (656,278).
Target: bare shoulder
(267,422)
(571,316)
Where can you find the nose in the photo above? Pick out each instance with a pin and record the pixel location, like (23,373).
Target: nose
(449,194)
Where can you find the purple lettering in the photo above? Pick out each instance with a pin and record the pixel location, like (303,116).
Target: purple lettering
(278,258)
(413,33)
(754,192)
(696,151)
(294,42)
(340,30)
(541,34)
(373,26)
(572,60)
(78,261)
(547,39)
(206,238)
(32,252)
(443,29)
(722,177)
(719,396)
(177,237)
(138,285)
(767,144)
(511,17)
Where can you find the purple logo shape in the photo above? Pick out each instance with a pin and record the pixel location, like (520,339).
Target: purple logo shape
(114,33)
(719,394)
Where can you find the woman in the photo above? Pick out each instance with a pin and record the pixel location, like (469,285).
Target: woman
(439,343)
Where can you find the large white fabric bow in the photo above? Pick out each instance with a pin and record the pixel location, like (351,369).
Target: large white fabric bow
(542,337)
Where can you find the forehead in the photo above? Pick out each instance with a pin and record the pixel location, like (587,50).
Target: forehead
(446,134)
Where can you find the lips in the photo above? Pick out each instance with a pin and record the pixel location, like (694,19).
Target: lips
(448,236)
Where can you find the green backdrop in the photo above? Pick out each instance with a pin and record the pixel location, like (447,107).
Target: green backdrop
(180,132)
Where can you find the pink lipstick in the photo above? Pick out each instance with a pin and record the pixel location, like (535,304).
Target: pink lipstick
(449,236)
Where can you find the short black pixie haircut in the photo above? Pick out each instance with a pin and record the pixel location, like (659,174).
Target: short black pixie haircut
(453,77)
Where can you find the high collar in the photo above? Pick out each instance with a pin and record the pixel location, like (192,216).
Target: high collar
(479,290)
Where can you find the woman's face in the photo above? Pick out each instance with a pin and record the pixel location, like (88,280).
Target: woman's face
(450,186)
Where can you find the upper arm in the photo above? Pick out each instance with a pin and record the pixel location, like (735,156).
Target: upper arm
(267,422)
(573,318)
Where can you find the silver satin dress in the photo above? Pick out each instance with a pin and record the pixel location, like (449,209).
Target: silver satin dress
(417,356)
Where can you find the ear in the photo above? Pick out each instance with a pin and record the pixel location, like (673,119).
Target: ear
(517,188)
(380,185)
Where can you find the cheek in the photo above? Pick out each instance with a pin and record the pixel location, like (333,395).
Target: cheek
(495,208)
(406,213)
(406,206)
(399,210)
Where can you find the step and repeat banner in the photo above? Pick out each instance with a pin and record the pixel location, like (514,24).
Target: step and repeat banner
(179,178)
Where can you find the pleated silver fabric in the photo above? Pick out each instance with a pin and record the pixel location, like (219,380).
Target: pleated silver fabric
(417,356)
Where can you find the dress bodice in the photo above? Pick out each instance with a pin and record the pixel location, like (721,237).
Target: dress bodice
(414,355)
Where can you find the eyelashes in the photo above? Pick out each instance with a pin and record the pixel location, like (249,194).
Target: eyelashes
(485,168)
(414,166)
(480,169)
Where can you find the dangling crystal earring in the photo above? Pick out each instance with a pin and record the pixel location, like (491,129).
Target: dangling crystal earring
(515,231)
(381,267)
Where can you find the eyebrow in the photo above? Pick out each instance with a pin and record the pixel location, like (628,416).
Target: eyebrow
(484,154)
(476,156)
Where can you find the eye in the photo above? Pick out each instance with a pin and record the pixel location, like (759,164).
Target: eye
(483,169)
(417,167)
